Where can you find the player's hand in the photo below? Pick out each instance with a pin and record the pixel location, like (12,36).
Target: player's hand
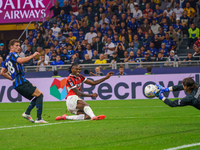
(36,53)
(161,88)
(109,74)
(94,95)
(159,94)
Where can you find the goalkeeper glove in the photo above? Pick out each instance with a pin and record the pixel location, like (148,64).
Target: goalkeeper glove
(159,94)
(161,88)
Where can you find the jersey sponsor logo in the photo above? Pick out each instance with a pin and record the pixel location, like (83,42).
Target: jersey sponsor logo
(22,10)
(16,55)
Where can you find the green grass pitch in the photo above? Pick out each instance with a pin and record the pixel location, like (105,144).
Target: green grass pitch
(129,124)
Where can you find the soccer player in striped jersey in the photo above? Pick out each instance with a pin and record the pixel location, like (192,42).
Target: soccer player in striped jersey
(12,69)
(74,103)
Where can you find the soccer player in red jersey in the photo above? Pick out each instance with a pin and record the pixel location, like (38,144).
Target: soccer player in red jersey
(74,103)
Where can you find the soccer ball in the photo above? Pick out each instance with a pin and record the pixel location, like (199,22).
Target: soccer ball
(149,90)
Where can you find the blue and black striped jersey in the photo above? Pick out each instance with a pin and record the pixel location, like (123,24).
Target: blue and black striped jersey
(15,69)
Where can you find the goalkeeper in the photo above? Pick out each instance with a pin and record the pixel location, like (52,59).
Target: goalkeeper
(189,86)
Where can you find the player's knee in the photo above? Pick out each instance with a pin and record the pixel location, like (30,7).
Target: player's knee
(87,105)
(37,93)
(42,94)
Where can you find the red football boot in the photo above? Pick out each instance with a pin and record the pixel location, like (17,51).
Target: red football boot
(100,117)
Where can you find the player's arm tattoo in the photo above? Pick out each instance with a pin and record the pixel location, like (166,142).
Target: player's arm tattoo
(81,94)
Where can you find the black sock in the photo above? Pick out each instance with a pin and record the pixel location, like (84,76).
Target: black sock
(31,106)
(39,101)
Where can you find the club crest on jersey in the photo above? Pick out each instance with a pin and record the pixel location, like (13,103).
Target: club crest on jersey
(71,84)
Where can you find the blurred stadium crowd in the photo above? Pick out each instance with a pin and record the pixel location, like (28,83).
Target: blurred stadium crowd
(93,31)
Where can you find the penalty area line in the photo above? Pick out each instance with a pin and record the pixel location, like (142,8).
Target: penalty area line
(183,146)
(39,125)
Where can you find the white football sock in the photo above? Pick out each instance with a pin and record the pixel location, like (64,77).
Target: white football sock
(88,111)
(76,117)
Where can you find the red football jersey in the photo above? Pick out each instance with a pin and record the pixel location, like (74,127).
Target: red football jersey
(74,6)
(148,12)
(72,82)
(197,44)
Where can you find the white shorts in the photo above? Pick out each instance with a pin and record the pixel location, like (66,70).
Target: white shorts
(71,103)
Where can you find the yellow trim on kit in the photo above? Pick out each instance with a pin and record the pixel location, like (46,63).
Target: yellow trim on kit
(18,26)
(17,66)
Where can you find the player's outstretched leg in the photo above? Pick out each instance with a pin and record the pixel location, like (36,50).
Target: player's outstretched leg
(100,117)
(74,117)
(39,106)
(88,111)
(86,114)
(28,117)
(26,114)
(31,106)
(81,109)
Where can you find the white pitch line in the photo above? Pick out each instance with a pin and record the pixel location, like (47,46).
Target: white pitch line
(20,127)
(183,146)
(24,109)
(92,107)
(38,125)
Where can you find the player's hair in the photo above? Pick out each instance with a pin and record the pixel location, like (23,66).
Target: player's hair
(149,69)
(70,68)
(190,83)
(13,41)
